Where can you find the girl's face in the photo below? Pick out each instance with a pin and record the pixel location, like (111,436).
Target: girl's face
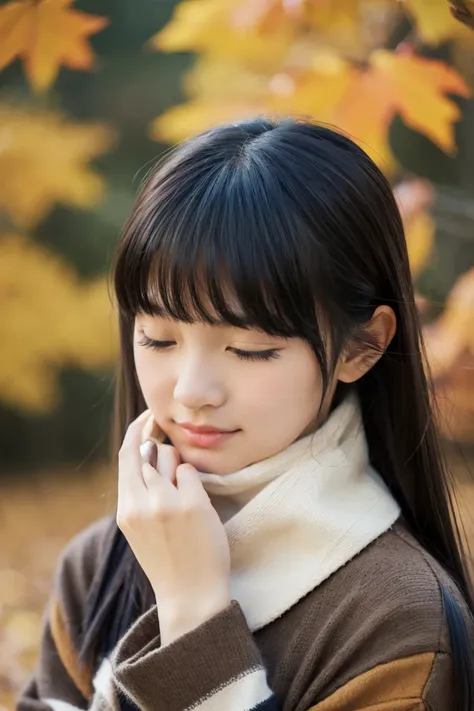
(261,392)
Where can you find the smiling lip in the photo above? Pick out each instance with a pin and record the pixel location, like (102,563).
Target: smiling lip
(203,429)
(203,436)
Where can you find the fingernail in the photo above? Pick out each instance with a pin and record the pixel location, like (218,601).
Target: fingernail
(149,453)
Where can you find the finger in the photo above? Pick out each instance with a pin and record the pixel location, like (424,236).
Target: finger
(149,427)
(155,482)
(168,461)
(149,453)
(130,461)
(189,484)
(135,429)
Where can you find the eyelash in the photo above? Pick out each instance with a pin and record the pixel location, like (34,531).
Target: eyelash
(269,354)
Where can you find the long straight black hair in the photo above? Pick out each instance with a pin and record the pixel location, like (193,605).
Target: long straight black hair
(298,225)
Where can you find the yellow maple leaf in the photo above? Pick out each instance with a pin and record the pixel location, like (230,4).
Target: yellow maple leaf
(419,87)
(46,34)
(185,120)
(216,28)
(411,86)
(213,79)
(314,91)
(353,27)
(223,91)
(220,92)
(49,319)
(435,23)
(44,159)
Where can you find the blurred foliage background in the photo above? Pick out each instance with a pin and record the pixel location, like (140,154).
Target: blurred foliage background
(90,93)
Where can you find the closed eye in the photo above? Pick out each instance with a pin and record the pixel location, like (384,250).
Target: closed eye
(267,354)
(154,345)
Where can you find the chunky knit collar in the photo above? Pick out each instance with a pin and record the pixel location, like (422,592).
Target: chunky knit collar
(298,516)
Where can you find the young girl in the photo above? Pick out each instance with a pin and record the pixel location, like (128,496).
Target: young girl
(289,542)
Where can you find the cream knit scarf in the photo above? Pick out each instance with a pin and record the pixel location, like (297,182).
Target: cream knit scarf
(295,518)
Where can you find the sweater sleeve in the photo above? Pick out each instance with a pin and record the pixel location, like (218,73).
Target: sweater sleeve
(218,667)
(215,666)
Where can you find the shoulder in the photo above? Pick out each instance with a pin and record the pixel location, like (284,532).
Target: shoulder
(385,603)
(381,622)
(398,588)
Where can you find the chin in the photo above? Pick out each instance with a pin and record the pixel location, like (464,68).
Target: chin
(207,462)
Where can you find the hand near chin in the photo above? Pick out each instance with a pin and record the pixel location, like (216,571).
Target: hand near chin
(175,533)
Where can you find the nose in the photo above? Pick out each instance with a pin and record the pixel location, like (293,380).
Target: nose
(198,384)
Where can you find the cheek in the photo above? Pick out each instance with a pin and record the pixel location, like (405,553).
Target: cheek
(291,387)
(301,388)
(142,367)
(151,377)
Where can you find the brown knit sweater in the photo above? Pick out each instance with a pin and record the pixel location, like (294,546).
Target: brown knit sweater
(371,636)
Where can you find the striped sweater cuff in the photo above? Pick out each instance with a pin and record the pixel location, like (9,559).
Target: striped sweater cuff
(215,667)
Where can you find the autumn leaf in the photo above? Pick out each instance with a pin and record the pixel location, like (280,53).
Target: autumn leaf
(435,23)
(265,33)
(411,86)
(224,80)
(49,154)
(220,92)
(224,91)
(49,319)
(352,27)
(185,120)
(363,102)
(46,34)
(216,28)
(314,91)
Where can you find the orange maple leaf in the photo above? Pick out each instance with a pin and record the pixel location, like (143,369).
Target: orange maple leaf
(412,86)
(46,34)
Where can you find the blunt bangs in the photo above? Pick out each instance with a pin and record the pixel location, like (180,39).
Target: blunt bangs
(213,247)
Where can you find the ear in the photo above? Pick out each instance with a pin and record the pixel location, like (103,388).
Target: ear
(360,357)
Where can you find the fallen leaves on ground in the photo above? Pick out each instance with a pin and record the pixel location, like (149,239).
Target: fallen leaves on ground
(38,515)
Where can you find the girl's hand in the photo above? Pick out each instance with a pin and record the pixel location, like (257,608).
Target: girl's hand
(175,533)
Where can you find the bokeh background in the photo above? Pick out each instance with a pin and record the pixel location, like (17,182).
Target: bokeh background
(93,91)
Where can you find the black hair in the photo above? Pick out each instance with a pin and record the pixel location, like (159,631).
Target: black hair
(287,225)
